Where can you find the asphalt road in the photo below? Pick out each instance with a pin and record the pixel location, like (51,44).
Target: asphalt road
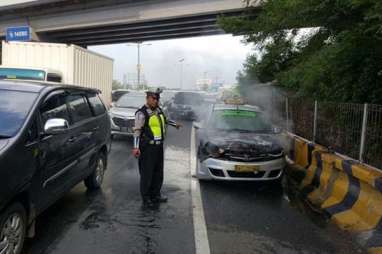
(239,217)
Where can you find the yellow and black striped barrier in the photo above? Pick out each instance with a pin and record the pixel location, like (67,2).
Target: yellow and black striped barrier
(348,191)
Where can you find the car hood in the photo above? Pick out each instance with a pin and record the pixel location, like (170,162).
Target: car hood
(124,112)
(3,143)
(239,141)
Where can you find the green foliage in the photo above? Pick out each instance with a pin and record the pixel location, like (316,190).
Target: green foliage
(339,56)
(116,85)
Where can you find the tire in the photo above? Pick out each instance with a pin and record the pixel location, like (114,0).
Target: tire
(94,181)
(13,224)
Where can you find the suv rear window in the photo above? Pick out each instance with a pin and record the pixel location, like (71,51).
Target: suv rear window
(79,108)
(97,105)
(188,98)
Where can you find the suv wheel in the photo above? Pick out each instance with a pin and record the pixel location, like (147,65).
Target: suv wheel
(12,229)
(94,181)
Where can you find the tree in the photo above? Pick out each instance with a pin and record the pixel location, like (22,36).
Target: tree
(338,56)
(116,85)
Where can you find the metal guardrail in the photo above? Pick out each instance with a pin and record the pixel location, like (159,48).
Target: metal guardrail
(372,153)
(354,130)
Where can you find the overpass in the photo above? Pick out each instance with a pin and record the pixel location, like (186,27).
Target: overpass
(95,22)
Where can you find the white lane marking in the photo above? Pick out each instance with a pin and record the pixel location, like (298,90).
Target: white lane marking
(202,245)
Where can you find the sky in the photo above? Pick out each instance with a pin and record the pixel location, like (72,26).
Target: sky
(212,57)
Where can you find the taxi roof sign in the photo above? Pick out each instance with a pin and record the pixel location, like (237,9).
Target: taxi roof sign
(234,101)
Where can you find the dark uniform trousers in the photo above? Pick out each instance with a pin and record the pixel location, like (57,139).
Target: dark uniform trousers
(151,170)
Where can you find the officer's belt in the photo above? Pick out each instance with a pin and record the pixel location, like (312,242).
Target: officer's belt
(155,142)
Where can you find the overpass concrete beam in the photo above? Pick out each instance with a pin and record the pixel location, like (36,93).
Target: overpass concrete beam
(148,38)
(160,24)
(124,14)
(162,31)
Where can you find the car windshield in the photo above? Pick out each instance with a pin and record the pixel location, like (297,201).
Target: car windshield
(239,120)
(166,95)
(188,98)
(128,101)
(26,74)
(14,107)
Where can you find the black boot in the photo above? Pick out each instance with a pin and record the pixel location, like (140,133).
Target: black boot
(147,203)
(159,199)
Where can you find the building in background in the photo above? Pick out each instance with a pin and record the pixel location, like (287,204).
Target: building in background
(203,84)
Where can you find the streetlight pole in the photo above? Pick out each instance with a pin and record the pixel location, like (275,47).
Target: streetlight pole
(181,73)
(139,67)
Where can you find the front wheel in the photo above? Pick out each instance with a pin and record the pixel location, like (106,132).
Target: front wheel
(12,229)
(94,181)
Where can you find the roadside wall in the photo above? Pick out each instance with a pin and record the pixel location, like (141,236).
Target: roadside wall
(349,192)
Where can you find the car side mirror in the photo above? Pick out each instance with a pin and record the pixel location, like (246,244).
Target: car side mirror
(56,126)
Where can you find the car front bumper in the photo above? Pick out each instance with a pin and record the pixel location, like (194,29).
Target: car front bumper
(215,169)
(123,127)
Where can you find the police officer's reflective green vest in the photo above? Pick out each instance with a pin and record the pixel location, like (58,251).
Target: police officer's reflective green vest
(155,125)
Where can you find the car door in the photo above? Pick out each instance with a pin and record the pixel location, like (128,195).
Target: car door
(101,123)
(83,132)
(57,158)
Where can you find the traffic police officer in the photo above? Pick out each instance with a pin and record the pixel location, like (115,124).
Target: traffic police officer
(149,134)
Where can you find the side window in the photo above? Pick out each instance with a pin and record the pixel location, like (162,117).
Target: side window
(97,105)
(79,108)
(54,107)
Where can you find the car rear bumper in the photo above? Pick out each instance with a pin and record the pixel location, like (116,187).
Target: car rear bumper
(215,169)
(183,114)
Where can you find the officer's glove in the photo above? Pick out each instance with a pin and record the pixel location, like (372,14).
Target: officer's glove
(136,152)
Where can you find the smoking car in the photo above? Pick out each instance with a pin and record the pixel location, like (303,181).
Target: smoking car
(236,142)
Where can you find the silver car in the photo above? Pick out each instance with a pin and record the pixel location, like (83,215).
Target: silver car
(236,142)
(122,113)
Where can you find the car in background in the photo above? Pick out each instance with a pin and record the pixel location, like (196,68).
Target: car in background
(51,138)
(236,142)
(116,94)
(186,106)
(30,74)
(122,113)
(166,96)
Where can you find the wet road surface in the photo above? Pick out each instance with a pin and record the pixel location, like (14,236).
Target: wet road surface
(240,217)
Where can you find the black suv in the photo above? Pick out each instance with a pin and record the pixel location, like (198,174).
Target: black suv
(51,138)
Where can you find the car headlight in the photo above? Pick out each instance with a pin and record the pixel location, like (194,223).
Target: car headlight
(212,150)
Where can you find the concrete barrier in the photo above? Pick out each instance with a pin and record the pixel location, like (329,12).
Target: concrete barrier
(349,192)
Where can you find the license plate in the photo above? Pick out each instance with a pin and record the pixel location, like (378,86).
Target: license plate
(246,168)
